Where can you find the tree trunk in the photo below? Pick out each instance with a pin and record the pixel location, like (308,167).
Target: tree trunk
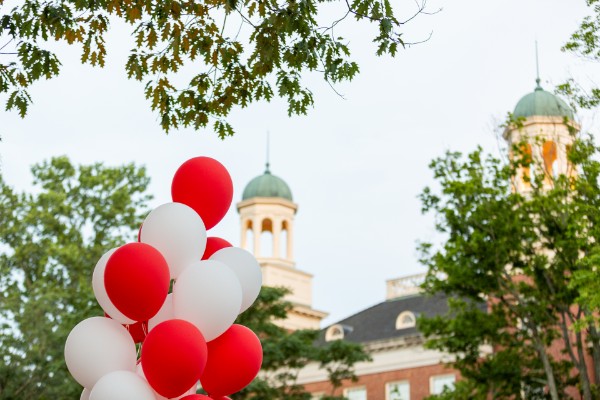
(583,373)
(539,346)
(578,361)
(595,339)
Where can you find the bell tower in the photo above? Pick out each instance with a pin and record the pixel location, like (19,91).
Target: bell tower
(546,127)
(267,215)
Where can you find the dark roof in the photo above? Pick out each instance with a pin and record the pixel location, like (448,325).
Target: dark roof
(379,322)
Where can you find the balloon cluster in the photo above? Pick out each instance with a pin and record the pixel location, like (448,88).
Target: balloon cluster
(176,293)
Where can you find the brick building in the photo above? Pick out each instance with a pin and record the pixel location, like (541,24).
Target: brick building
(401,368)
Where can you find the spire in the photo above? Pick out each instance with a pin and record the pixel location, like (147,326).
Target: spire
(267,170)
(537,68)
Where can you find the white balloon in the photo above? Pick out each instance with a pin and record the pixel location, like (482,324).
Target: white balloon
(97,346)
(85,395)
(247,270)
(139,370)
(209,295)
(177,231)
(100,291)
(122,385)
(164,314)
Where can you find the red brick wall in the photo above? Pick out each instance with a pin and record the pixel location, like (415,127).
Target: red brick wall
(375,383)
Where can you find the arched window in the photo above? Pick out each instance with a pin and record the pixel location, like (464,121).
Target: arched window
(406,319)
(334,332)
(266,238)
(549,155)
(248,236)
(283,242)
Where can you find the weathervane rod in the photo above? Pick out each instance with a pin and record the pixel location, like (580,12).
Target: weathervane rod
(268,140)
(537,65)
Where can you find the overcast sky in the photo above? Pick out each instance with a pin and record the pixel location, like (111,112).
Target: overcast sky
(355,165)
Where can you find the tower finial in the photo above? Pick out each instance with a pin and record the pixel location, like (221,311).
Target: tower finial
(537,68)
(267,171)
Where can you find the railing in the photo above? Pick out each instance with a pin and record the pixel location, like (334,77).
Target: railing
(404,286)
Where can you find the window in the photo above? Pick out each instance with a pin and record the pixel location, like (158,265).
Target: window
(359,393)
(406,319)
(248,238)
(283,242)
(334,332)
(549,156)
(397,391)
(438,383)
(266,238)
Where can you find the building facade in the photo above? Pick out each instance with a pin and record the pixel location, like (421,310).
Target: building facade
(401,367)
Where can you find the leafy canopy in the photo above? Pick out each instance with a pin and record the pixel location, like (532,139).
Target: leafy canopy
(236,51)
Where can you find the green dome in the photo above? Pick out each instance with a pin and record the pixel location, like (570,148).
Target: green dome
(542,103)
(267,185)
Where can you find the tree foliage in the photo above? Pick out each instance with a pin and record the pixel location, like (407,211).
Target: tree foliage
(234,52)
(51,241)
(585,42)
(532,258)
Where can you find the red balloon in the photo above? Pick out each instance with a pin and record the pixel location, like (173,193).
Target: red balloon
(137,280)
(138,331)
(196,397)
(204,184)
(234,360)
(173,357)
(214,244)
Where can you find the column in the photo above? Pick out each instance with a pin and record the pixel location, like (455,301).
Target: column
(256,228)
(276,235)
(290,240)
(244,234)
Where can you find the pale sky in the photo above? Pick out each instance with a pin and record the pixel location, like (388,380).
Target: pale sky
(355,165)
